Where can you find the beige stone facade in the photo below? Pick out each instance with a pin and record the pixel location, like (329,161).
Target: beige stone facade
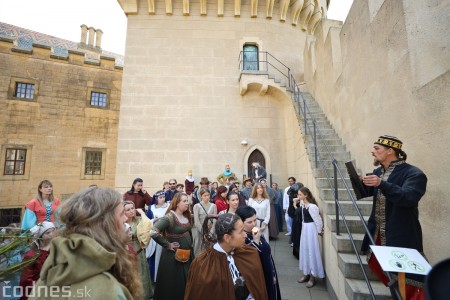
(186,105)
(182,104)
(386,71)
(57,125)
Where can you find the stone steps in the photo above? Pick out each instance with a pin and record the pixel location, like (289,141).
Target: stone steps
(348,263)
(355,285)
(347,206)
(353,222)
(356,289)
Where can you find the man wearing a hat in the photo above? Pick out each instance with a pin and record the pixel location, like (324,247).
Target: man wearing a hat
(247,189)
(204,183)
(397,188)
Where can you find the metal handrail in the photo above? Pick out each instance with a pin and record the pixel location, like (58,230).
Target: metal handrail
(315,132)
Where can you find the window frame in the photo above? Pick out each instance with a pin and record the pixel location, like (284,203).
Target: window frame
(83,175)
(91,90)
(10,216)
(15,161)
(13,85)
(256,63)
(27,162)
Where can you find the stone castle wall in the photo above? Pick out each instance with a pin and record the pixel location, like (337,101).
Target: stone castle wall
(181,106)
(386,71)
(59,123)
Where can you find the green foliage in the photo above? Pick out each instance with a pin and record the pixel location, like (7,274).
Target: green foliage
(13,245)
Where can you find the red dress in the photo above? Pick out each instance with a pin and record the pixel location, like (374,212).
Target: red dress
(40,211)
(221,204)
(30,274)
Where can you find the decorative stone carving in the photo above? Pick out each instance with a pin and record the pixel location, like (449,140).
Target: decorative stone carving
(315,19)
(220,8)
(169,9)
(254,8)
(151,7)
(284,5)
(185,7)
(203,7)
(269,8)
(237,8)
(296,9)
(305,15)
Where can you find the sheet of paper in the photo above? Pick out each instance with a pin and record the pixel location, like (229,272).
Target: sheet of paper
(395,259)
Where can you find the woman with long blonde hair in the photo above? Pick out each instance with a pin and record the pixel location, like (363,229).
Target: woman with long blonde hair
(91,251)
(261,203)
(173,233)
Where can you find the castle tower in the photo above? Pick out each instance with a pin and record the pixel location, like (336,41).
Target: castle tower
(183,104)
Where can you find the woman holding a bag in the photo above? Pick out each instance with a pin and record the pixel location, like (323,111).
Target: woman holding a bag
(173,233)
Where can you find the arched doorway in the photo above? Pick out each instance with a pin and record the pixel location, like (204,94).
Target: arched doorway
(255,156)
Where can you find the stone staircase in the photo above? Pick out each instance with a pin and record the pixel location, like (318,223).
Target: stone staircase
(355,285)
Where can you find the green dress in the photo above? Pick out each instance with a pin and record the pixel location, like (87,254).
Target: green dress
(172,274)
(144,271)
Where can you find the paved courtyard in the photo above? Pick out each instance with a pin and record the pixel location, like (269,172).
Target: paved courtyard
(288,274)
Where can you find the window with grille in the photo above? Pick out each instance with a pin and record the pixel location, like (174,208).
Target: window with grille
(24,90)
(9,215)
(93,163)
(15,161)
(98,99)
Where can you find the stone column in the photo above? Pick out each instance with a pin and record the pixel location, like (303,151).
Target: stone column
(91,36)
(83,34)
(98,38)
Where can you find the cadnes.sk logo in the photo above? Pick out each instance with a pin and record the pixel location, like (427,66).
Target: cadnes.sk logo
(43,291)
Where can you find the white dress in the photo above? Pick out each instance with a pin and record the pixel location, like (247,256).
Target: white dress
(154,249)
(262,213)
(310,262)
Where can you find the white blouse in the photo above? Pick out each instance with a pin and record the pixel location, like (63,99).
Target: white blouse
(262,209)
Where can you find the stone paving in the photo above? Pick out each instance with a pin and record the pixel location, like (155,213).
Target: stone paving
(288,274)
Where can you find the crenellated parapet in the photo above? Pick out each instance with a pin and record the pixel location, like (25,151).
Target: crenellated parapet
(306,14)
(11,45)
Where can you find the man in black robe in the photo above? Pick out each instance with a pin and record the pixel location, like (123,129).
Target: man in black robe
(397,188)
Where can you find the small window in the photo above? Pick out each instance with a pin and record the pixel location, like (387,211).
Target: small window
(250,58)
(9,215)
(24,90)
(93,163)
(15,161)
(98,99)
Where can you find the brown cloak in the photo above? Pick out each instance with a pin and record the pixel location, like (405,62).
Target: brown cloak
(209,275)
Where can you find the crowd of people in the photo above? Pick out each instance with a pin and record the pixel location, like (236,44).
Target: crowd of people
(223,221)
(211,239)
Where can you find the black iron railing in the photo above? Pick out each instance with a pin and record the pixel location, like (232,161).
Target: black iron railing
(273,67)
